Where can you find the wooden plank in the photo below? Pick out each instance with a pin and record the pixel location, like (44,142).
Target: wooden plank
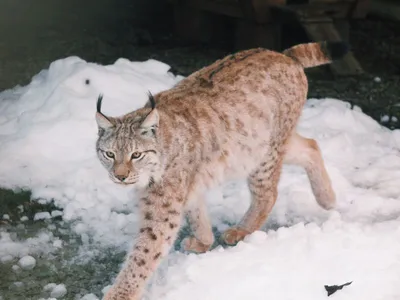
(326,31)
(333,10)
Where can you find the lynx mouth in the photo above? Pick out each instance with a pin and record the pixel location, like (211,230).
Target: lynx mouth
(122,182)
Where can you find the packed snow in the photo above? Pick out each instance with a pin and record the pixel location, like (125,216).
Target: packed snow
(11,248)
(27,262)
(49,287)
(89,297)
(58,291)
(42,216)
(48,134)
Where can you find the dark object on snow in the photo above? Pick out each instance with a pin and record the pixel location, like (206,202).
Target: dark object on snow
(333,288)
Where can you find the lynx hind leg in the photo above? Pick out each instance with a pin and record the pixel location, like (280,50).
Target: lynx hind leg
(263,185)
(200,225)
(305,152)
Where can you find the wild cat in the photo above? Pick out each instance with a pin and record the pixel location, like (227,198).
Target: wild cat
(233,119)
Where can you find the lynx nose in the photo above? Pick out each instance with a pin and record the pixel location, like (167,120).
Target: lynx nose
(121,177)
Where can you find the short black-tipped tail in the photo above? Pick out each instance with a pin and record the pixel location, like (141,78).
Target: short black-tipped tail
(316,54)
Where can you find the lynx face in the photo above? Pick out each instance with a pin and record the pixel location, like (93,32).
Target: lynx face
(128,149)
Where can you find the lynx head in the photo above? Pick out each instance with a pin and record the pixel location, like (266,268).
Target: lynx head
(127,146)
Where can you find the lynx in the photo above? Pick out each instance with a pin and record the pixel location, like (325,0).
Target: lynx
(233,119)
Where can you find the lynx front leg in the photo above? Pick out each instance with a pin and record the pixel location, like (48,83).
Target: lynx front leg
(200,225)
(263,185)
(161,211)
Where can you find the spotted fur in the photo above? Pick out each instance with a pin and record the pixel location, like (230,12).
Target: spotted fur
(233,119)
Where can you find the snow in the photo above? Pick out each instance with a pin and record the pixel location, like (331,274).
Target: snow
(57,243)
(377,79)
(48,134)
(42,216)
(294,263)
(27,262)
(17,285)
(49,287)
(37,245)
(58,291)
(6,259)
(385,119)
(56,213)
(15,268)
(24,219)
(89,297)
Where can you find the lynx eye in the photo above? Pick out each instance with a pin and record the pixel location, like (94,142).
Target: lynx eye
(136,155)
(109,154)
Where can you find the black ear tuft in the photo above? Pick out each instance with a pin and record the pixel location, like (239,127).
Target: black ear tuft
(152,100)
(99,101)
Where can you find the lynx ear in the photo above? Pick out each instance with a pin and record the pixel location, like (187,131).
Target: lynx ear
(102,121)
(151,121)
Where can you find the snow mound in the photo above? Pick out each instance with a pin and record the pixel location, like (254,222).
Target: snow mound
(293,263)
(48,132)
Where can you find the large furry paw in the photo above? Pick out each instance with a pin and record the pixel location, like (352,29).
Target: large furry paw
(191,244)
(234,235)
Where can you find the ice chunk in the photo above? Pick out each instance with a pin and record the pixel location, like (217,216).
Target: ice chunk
(58,243)
(16,268)
(56,213)
(42,216)
(89,297)
(385,118)
(58,291)
(49,287)
(27,262)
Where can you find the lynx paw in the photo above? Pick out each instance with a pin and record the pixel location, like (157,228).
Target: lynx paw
(191,244)
(234,235)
